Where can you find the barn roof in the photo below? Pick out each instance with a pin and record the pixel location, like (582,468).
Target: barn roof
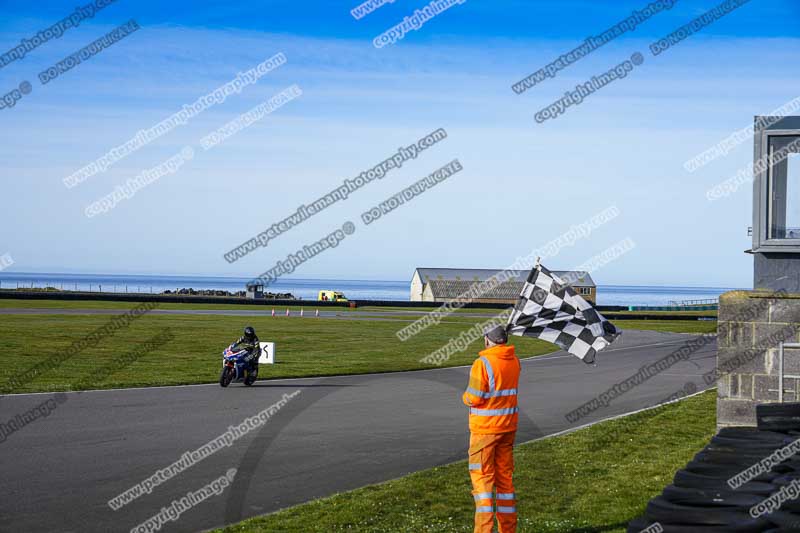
(453,289)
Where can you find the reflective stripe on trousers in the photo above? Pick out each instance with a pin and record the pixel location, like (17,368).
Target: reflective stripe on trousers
(493,412)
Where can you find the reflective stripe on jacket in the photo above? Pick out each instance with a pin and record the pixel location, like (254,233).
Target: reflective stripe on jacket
(492,391)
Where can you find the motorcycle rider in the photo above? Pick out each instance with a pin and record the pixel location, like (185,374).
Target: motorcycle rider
(249,342)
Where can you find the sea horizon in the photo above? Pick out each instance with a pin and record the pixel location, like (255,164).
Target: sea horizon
(307,288)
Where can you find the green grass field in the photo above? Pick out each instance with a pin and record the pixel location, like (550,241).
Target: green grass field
(266,307)
(100,304)
(305,347)
(593,480)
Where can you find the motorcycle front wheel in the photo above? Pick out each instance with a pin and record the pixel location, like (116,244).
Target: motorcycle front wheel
(226,376)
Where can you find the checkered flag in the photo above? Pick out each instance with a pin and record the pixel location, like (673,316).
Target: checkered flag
(549,309)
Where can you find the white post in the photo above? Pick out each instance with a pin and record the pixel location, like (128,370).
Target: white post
(780,372)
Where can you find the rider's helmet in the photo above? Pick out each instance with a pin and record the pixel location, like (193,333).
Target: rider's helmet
(249,333)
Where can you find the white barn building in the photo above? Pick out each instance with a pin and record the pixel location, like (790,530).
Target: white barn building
(445,284)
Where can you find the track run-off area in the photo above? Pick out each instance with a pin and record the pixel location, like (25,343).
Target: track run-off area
(338,433)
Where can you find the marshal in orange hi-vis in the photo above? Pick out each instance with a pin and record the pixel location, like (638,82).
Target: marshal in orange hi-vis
(493,414)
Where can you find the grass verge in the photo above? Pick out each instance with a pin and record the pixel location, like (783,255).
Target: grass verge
(266,307)
(305,347)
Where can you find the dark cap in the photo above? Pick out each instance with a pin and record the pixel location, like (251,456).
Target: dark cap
(497,334)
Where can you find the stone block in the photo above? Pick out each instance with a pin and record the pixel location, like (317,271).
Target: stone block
(769,335)
(731,412)
(765,388)
(723,334)
(746,386)
(723,386)
(791,361)
(741,334)
(785,310)
(742,361)
(740,306)
(733,385)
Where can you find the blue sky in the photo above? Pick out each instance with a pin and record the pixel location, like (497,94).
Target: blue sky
(522,185)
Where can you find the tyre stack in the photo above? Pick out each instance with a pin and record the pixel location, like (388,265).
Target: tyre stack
(700,499)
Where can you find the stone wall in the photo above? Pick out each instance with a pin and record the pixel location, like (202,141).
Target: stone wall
(751,325)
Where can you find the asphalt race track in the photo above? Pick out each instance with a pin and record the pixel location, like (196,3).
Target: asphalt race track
(339,433)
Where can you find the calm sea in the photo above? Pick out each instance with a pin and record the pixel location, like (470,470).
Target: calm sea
(307,288)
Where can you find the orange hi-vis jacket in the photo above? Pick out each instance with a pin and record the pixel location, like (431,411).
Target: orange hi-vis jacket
(492,391)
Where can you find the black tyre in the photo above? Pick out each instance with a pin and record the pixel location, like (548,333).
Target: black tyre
(741,460)
(750,433)
(710,497)
(741,450)
(778,416)
(750,526)
(638,524)
(710,454)
(752,444)
(226,376)
(786,521)
(719,498)
(666,512)
(785,479)
(725,472)
(698,481)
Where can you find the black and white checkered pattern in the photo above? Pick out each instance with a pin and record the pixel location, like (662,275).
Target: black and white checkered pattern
(549,309)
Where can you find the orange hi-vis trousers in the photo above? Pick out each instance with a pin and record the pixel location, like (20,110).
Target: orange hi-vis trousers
(491,465)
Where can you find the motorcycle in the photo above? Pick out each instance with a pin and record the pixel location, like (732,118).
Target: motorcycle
(235,368)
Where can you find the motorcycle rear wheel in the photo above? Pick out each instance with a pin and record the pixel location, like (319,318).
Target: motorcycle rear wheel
(251,378)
